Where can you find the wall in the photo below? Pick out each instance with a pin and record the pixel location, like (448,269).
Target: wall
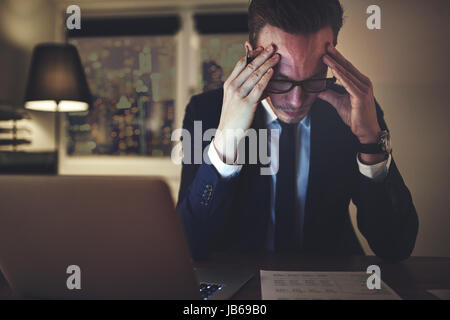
(407,60)
(23,24)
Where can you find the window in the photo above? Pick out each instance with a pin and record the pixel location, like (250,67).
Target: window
(130,68)
(221,46)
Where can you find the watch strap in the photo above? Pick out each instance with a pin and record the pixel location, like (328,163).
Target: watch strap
(370,148)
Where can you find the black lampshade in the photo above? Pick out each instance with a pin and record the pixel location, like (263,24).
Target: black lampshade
(56,80)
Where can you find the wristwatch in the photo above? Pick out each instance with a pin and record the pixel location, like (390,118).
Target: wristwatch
(383,144)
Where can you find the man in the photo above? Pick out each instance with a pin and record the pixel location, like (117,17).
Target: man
(333,147)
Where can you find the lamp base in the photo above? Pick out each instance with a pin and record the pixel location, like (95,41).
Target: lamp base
(21,162)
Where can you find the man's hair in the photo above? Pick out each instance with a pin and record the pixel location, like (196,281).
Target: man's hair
(294,16)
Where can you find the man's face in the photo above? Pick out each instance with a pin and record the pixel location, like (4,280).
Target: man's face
(301,58)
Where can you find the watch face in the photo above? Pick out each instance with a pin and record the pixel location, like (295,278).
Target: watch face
(385,141)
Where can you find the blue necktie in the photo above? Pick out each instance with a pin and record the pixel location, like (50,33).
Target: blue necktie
(285,230)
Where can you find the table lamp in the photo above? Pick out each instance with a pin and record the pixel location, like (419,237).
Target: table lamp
(57,82)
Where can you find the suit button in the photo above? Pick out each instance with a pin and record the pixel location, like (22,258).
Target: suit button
(206,195)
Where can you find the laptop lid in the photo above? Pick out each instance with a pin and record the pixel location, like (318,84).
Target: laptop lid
(121,232)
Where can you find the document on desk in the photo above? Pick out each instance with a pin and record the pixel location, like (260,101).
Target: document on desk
(297,285)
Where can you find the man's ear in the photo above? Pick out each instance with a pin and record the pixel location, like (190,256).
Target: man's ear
(248,46)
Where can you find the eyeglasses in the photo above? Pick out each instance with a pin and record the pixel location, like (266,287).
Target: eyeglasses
(279,86)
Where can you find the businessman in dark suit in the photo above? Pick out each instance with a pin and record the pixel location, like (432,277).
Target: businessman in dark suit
(329,144)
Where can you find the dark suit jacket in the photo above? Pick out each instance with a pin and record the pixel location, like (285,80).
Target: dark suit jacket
(233,214)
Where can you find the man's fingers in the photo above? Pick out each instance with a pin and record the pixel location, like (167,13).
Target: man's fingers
(254,78)
(335,66)
(257,91)
(241,64)
(347,83)
(254,53)
(347,64)
(254,65)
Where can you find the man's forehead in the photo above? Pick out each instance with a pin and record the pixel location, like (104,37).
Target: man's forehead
(300,54)
(292,43)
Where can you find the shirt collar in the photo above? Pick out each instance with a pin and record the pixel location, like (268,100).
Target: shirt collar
(271,116)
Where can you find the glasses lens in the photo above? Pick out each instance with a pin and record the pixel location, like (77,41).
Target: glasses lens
(315,85)
(276,86)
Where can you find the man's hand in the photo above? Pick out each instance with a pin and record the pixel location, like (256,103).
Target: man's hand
(242,91)
(357,108)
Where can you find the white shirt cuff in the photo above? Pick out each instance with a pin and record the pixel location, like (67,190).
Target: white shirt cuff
(376,171)
(224,169)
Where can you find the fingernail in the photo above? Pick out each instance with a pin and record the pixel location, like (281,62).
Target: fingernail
(269,48)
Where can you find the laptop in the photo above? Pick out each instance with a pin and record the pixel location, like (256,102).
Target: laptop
(96,237)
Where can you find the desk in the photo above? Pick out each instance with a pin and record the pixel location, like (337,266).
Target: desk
(410,278)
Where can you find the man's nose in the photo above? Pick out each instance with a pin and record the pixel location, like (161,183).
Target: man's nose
(295,97)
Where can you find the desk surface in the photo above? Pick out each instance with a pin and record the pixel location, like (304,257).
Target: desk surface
(410,278)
